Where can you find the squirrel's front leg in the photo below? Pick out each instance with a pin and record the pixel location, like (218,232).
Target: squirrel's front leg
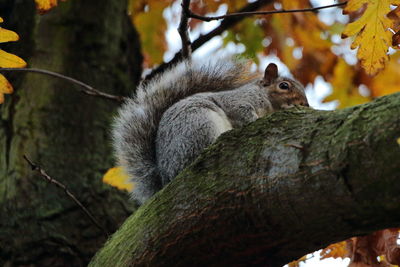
(242,114)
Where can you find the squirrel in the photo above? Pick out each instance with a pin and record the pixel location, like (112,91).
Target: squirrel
(177,114)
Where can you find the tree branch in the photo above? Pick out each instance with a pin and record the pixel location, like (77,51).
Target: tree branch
(85,88)
(202,39)
(251,199)
(239,14)
(48,178)
(183,29)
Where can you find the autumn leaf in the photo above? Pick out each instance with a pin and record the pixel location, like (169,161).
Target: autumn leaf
(118,178)
(372,35)
(8,60)
(337,250)
(43,6)
(8,36)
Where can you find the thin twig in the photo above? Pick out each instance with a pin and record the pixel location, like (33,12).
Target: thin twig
(43,174)
(312,9)
(225,24)
(183,29)
(87,89)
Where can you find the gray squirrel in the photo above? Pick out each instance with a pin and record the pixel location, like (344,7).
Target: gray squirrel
(176,115)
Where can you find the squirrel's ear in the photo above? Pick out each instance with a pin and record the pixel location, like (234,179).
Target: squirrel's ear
(271,73)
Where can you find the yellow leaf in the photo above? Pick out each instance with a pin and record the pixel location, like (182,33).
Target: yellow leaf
(371,31)
(8,36)
(398,141)
(8,60)
(5,88)
(118,178)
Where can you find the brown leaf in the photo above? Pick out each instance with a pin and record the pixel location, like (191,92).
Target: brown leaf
(396,39)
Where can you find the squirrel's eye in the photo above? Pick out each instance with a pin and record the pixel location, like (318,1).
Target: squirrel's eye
(284,85)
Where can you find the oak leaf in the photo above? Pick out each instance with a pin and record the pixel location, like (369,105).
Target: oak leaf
(372,32)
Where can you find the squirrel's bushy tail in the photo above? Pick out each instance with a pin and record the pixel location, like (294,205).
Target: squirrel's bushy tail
(135,127)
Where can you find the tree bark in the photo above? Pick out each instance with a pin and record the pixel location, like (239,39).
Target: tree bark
(63,130)
(285,185)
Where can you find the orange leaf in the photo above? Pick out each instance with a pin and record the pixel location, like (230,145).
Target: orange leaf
(43,6)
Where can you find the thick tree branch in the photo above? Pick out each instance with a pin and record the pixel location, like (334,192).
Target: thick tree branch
(202,39)
(266,194)
(85,88)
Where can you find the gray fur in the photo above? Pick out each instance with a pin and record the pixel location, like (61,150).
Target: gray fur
(179,113)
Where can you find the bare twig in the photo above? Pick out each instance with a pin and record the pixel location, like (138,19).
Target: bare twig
(183,29)
(225,24)
(238,14)
(85,88)
(43,174)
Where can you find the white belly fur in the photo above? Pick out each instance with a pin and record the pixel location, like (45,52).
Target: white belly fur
(220,120)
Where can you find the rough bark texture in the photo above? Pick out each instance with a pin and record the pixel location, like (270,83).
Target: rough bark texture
(63,130)
(264,195)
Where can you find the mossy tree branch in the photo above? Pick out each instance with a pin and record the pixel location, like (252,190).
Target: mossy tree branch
(284,186)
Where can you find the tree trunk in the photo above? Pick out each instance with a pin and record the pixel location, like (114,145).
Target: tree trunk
(283,186)
(63,130)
